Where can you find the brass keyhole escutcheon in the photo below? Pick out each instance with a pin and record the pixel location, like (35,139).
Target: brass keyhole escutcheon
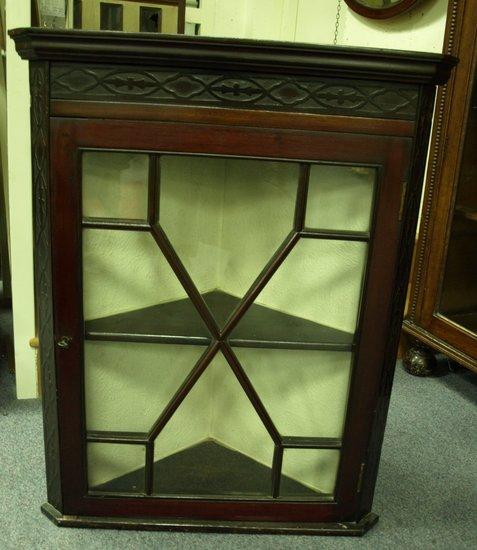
(64,342)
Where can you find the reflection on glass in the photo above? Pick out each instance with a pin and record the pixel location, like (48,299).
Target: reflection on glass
(459,285)
(215,444)
(225,218)
(316,470)
(340,197)
(115,185)
(305,392)
(115,468)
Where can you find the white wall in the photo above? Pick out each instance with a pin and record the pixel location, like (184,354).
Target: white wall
(421,29)
(20,204)
(3,118)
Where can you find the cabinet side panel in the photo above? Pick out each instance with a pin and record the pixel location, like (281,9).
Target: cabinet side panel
(39,83)
(409,216)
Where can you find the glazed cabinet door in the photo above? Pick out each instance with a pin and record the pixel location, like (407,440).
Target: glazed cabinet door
(222,304)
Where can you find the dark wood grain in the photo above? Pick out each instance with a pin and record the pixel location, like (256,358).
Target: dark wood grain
(119,223)
(345,528)
(39,85)
(359,236)
(391,154)
(129,438)
(428,320)
(231,117)
(405,236)
(232,89)
(297,442)
(234,54)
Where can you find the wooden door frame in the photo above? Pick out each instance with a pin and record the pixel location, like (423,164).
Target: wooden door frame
(68,136)
(423,320)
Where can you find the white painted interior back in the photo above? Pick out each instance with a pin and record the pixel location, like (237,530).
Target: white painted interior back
(225,218)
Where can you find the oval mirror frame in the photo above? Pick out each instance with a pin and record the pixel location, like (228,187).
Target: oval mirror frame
(381,13)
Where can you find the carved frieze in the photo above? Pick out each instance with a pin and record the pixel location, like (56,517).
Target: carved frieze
(285,93)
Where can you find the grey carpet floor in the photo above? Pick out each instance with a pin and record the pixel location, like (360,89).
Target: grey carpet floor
(426,494)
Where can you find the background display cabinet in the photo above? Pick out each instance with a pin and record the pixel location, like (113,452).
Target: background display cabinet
(223,239)
(442,309)
(158,16)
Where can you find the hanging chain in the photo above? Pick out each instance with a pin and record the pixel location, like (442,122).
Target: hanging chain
(337,23)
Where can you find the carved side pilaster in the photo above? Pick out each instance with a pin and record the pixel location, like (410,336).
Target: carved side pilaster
(39,84)
(406,247)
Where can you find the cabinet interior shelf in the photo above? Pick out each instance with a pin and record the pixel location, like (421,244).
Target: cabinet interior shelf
(208,469)
(178,322)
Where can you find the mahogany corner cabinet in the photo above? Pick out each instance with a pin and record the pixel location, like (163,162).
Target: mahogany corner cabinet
(224,231)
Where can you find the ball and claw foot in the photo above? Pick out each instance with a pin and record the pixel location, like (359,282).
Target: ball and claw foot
(420,361)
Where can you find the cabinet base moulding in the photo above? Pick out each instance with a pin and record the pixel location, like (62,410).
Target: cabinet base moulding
(422,335)
(352,529)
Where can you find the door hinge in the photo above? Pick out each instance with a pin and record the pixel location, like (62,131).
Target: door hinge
(360,477)
(403,200)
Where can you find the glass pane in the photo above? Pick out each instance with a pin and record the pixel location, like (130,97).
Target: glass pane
(340,197)
(226,218)
(130,289)
(116,468)
(313,300)
(115,185)
(305,392)
(215,444)
(192,29)
(169,19)
(111,16)
(314,469)
(126,15)
(459,286)
(128,385)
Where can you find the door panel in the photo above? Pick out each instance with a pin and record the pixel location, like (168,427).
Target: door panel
(275,260)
